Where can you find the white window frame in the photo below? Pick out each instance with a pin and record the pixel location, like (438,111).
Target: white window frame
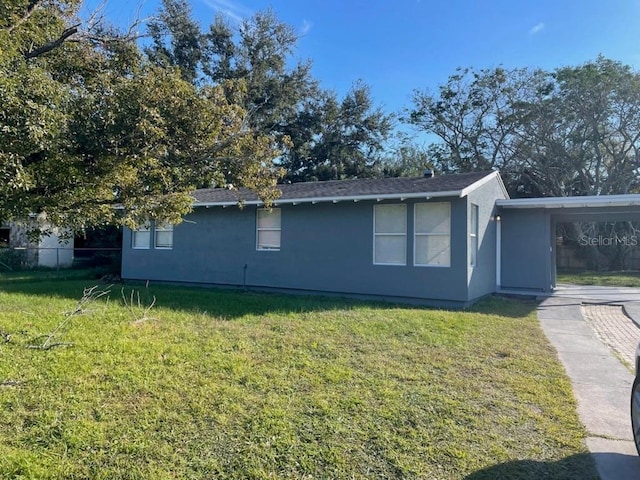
(163,228)
(377,234)
(259,229)
(474,213)
(417,234)
(145,228)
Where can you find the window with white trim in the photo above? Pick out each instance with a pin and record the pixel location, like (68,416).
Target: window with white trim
(141,236)
(164,235)
(432,234)
(390,234)
(473,235)
(268,228)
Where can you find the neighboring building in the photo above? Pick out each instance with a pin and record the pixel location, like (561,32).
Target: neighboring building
(50,251)
(429,240)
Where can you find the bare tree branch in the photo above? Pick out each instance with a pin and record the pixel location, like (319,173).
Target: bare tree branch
(47,47)
(94,23)
(30,9)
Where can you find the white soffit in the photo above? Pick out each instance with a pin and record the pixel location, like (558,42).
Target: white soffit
(629,200)
(353,198)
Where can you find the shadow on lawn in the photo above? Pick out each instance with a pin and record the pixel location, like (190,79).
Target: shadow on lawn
(574,467)
(231,302)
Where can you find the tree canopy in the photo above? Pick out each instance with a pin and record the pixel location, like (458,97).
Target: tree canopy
(95,133)
(572,131)
(335,139)
(99,130)
(320,136)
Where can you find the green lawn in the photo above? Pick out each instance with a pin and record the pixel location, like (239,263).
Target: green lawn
(221,385)
(610,279)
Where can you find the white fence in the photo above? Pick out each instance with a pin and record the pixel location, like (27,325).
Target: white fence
(57,257)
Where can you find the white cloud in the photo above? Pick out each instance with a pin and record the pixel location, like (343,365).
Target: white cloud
(234,10)
(537,29)
(306,27)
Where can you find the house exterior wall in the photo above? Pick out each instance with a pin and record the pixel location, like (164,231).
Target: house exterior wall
(527,250)
(326,248)
(482,275)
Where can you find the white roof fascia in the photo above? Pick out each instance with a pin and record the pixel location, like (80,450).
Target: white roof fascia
(354,198)
(628,200)
(495,174)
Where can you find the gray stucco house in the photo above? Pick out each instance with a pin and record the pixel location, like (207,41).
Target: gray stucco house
(428,240)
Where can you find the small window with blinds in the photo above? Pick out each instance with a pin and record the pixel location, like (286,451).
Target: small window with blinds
(268,223)
(432,242)
(390,235)
(164,236)
(141,237)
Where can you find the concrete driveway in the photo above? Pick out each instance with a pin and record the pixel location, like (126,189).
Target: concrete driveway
(593,344)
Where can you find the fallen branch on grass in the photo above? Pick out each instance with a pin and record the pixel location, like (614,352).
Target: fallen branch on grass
(10,383)
(53,339)
(138,310)
(5,336)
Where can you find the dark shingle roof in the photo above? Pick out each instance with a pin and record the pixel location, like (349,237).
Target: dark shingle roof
(365,188)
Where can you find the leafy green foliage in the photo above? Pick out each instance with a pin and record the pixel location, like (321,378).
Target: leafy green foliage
(572,131)
(240,385)
(258,53)
(320,136)
(94,134)
(11,259)
(600,106)
(407,159)
(175,23)
(335,140)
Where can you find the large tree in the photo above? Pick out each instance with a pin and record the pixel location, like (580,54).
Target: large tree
(93,133)
(573,131)
(336,139)
(477,116)
(321,136)
(595,139)
(259,53)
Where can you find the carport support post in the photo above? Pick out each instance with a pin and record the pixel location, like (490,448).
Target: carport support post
(498,220)
(553,266)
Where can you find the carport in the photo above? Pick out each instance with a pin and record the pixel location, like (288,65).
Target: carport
(526,235)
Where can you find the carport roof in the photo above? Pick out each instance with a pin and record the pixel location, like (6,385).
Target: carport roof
(629,200)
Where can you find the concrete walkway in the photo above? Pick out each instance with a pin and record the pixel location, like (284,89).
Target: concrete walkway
(592,331)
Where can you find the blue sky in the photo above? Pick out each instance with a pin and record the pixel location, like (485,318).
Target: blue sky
(396,46)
